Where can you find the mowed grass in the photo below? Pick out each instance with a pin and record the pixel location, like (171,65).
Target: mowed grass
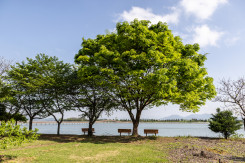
(50,148)
(75,148)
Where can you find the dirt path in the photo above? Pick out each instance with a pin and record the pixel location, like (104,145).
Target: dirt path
(203,149)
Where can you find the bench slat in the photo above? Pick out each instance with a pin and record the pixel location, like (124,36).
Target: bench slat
(84,130)
(124,131)
(150,131)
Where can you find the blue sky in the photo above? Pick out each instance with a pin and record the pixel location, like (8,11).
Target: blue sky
(57,27)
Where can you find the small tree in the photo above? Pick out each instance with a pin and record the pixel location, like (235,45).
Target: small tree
(224,123)
(55,84)
(25,81)
(90,97)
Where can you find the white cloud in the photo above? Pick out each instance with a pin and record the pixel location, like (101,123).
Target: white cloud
(147,14)
(204,36)
(202,9)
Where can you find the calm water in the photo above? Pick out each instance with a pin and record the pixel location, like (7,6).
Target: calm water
(164,129)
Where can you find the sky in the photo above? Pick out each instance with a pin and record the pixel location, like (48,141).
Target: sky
(56,28)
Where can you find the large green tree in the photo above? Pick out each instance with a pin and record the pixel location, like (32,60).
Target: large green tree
(144,65)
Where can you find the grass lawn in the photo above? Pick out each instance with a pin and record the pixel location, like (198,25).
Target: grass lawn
(75,148)
(83,149)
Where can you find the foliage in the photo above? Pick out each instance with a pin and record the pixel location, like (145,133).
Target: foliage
(6,116)
(144,65)
(11,134)
(54,82)
(91,97)
(24,81)
(9,106)
(223,122)
(42,86)
(237,136)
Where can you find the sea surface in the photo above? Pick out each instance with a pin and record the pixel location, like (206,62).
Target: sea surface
(111,128)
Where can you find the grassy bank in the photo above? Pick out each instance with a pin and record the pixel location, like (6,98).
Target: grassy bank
(74,148)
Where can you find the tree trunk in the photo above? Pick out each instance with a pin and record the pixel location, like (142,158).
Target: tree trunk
(226,135)
(58,129)
(244,124)
(136,122)
(59,122)
(90,128)
(30,123)
(135,128)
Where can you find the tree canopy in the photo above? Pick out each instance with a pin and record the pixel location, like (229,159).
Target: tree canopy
(91,97)
(144,65)
(56,84)
(43,85)
(223,122)
(26,82)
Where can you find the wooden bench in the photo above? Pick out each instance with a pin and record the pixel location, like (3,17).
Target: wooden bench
(150,131)
(86,130)
(124,131)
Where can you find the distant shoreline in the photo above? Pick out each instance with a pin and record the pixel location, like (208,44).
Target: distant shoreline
(106,121)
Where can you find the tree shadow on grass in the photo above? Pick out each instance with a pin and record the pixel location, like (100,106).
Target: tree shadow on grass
(240,159)
(208,138)
(93,139)
(6,158)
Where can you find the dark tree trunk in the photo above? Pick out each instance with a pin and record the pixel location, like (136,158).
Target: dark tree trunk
(136,123)
(30,123)
(244,124)
(58,129)
(135,128)
(59,122)
(90,128)
(226,135)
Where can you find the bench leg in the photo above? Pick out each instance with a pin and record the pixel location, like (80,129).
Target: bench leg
(120,133)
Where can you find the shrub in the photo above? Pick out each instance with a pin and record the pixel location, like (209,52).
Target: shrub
(11,134)
(223,122)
